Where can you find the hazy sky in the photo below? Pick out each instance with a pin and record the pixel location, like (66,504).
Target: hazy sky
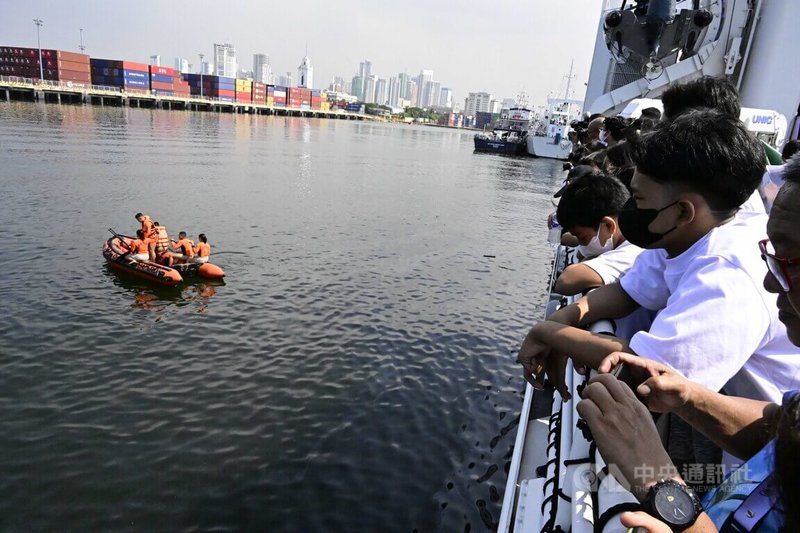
(499,46)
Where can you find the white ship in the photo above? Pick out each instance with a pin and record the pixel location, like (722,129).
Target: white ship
(556,480)
(550,131)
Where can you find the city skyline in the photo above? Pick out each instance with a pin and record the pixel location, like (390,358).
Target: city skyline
(500,51)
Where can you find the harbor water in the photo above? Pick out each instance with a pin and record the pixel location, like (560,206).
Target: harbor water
(354,372)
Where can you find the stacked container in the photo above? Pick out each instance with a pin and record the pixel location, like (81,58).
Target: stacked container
(244,91)
(294,99)
(354,108)
(219,87)
(56,65)
(325,105)
(316,99)
(127,75)
(165,81)
(281,96)
(305,98)
(259,93)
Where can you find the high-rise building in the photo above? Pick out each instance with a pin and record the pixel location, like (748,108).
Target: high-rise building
(305,74)
(261,68)
(413,92)
(155,60)
(286,80)
(404,80)
(225,60)
(380,91)
(394,97)
(477,102)
(182,65)
(446,97)
(338,85)
(433,90)
(423,92)
(207,68)
(365,68)
(369,89)
(357,87)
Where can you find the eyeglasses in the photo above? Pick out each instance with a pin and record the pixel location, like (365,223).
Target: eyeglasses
(778,266)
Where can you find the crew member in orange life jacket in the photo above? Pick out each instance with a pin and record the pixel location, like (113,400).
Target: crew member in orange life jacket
(202,250)
(149,233)
(185,247)
(139,247)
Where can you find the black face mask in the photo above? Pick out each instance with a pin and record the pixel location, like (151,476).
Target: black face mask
(634,224)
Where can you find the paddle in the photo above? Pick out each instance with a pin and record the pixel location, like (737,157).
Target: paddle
(130,250)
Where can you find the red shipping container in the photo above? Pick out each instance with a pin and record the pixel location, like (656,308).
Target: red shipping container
(130,65)
(163,71)
(73,75)
(294,91)
(161,86)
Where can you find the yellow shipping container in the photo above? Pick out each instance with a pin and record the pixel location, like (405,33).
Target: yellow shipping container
(243,85)
(270,101)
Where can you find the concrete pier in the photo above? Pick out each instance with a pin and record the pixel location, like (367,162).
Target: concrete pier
(12,88)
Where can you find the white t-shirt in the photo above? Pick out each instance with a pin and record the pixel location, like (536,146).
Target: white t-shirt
(613,264)
(716,324)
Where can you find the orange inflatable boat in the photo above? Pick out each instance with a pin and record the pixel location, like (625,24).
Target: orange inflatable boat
(118,259)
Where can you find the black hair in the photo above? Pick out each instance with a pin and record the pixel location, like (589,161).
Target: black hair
(705,92)
(706,151)
(181,233)
(787,467)
(590,198)
(137,215)
(618,155)
(652,113)
(593,116)
(616,127)
(156,223)
(625,175)
(595,159)
(790,148)
(791,173)
(202,237)
(638,127)
(577,154)
(140,233)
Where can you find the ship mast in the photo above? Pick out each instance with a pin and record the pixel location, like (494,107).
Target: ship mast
(569,79)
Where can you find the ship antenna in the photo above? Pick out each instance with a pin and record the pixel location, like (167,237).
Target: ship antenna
(569,79)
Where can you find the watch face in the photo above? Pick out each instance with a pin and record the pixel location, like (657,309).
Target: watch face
(674,505)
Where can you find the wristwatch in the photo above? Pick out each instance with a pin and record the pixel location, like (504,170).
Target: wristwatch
(673,503)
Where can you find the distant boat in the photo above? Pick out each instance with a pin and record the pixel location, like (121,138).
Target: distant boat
(549,137)
(509,134)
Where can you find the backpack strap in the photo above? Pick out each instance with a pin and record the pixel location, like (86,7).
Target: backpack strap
(754,508)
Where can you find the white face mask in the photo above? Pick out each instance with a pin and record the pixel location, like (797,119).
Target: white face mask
(594,248)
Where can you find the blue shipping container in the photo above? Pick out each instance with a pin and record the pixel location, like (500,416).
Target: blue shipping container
(162,78)
(137,74)
(225,99)
(159,92)
(137,83)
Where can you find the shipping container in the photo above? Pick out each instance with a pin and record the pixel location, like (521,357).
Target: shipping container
(161,78)
(163,71)
(270,101)
(159,92)
(161,86)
